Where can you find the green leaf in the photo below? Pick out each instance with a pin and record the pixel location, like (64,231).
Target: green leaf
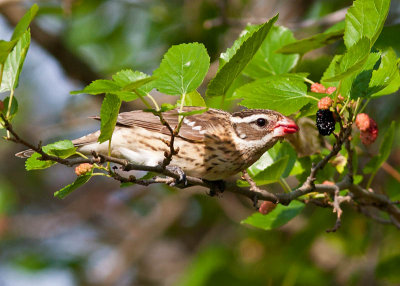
(137,84)
(193,98)
(267,61)
(99,86)
(5,49)
(286,95)
(384,151)
(24,22)
(311,43)
(193,112)
(62,149)
(14,62)
(232,69)
(277,218)
(365,19)
(13,110)
(270,174)
(230,52)
(124,84)
(387,72)
(272,155)
(182,69)
(108,114)
(352,61)
(81,180)
(33,163)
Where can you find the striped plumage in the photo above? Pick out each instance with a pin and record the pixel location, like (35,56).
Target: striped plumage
(212,145)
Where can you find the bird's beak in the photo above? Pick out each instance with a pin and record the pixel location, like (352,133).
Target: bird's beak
(284,127)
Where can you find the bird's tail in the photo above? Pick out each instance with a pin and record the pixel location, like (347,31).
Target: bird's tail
(25,153)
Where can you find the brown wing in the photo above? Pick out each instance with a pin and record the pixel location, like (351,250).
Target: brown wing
(193,128)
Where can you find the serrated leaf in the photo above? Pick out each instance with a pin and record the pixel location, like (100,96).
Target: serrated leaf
(230,52)
(194,98)
(99,86)
(62,149)
(365,19)
(182,69)
(137,84)
(384,151)
(270,174)
(311,43)
(232,69)
(81,180)
(277,218)
(193,112)
(387,72)
(14,62)
(24,22)
(352,61)
(5,49)
(286,95)
(272,155)
(33,163)
(13,109)
(108,114)
(267,61)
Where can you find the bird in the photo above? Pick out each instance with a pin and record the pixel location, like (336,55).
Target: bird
(213,145)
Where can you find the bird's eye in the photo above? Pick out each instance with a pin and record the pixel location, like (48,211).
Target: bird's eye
(261,122)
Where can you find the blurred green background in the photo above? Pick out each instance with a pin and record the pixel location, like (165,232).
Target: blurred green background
(104,235)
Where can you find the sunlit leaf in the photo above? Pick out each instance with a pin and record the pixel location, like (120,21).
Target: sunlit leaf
(268,61)
(311,43)
(182,69)
(14,62)
(365,19)
(108,114)
(232,69)
(81,180)
(285,95)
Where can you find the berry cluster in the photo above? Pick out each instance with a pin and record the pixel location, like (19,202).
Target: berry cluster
(368,128)
(83,169)
(266,207)
(325,120)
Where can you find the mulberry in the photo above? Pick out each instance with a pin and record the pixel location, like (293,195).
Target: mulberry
(318,88)
(266,207)
(325,122)
(83,169)
(325,103)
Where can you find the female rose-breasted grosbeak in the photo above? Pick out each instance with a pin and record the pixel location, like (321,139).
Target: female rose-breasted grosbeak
(212,145)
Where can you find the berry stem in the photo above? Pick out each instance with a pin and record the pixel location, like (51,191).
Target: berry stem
(365,105)
(308,80)
(345,105)
(310,96)
(285,186)
(337,94)
(154,101)
(356,109)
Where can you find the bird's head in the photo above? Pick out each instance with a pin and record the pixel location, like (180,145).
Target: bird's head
(261,128)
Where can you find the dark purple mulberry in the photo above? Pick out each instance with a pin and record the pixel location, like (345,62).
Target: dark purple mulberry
(325,122)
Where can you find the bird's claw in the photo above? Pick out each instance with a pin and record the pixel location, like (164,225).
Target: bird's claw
(182,176)
(216,187)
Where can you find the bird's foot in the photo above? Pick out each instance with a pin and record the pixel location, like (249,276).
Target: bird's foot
(216,187)
(182,180)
